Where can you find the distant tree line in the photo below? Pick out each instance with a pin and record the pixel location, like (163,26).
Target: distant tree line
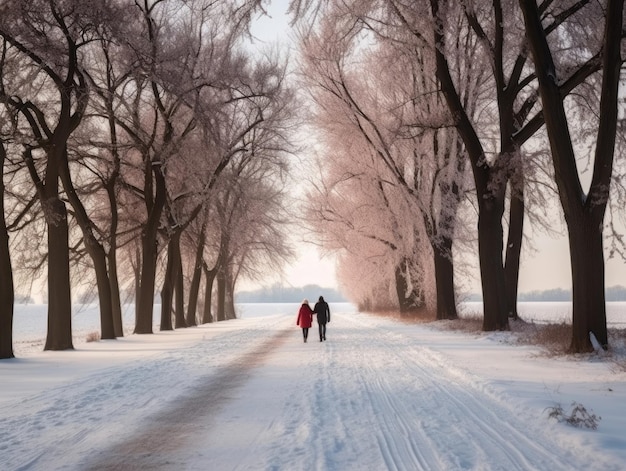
(291,294)
(613,294)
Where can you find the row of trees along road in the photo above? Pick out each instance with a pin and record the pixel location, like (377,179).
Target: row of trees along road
(146,144)
(432,111)
(143,141)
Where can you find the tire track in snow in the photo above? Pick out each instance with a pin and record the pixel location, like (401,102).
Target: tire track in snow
(64,426)
(371,397)
(174,427)
(367,401)
(437,418)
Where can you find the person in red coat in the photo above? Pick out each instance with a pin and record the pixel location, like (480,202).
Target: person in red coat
(305,318)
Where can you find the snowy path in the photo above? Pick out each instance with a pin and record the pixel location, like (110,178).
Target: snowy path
(418,413)
(250,395)
(189,415)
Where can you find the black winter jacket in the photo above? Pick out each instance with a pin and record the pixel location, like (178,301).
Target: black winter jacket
(323,312)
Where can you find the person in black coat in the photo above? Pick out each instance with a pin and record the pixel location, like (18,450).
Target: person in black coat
(323,316)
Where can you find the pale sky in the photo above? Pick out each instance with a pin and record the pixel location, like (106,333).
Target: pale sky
(275,25)
(310,269)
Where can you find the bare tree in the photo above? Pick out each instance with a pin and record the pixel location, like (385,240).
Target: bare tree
(403,122)
(187,82)
(196,241)
(517,117)
(257,220)
(110,71)
(7,293)
(6,274)
(49,36)
(355,209)
(584,211)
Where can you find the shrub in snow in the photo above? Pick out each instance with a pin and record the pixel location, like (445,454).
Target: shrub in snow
(578,417)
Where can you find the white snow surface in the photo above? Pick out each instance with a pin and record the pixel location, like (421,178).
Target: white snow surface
(249,394)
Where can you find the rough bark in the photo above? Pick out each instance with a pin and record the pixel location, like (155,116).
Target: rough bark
(114,286)
(59,336)
(169,280)
(513,252)
(7,294)
(98,257)
(221,295)
(402,287)
(207,315)
(490,234)
(444,277)
(229,305)
(149,252)
(111,184)
(179,292)
(588,290)
(409,298)
(443,260)
(116,302)
(194,287)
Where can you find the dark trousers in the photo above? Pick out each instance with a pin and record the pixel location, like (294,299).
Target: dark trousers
(305,332)
(322,329)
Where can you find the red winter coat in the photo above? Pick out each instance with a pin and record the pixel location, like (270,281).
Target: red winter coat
(305,316)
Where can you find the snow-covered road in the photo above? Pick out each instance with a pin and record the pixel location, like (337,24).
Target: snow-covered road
(250,395)
(368,398)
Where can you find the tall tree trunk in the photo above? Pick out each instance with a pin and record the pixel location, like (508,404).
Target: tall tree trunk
(7,294)
(167,291)
(222,273)
(229,306)
(103,283)
(51,128)
(179,310)
(584,214)
(145,296)
(490,236)
(207,316)
(588,303)
(444,277)
(137,274)
(221,294)
(513,251)
(442,245)
(94,249)
(194,287)
(59,335)
(402,287)
(410,297)
(149,249)
(114,286)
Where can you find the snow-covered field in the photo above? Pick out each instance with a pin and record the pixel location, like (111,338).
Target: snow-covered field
(249,394)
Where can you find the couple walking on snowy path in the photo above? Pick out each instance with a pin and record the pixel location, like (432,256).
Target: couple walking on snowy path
(305,317)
